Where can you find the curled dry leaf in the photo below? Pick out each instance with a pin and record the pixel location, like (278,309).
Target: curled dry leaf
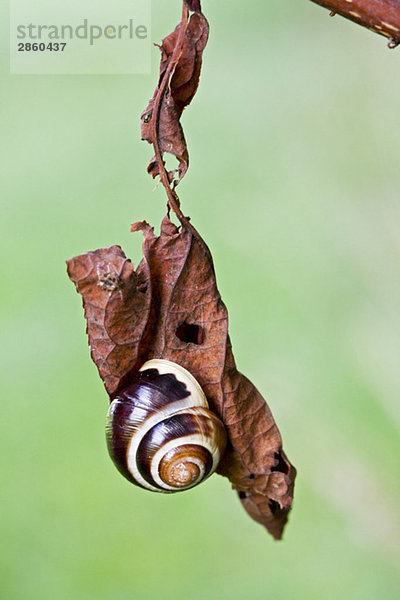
(178,81)
(170,308)
(193,5)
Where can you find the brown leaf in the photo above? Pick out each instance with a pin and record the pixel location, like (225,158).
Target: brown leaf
(115,302)
(193,5)
(170,308)
(177,85)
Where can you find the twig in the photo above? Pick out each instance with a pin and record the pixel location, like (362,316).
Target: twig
(380,16)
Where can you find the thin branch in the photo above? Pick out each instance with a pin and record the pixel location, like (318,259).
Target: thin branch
(380,16)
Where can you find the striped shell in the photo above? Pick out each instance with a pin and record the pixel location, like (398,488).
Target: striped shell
(160,432)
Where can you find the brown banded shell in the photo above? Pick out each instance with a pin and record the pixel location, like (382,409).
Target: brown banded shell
(160,432)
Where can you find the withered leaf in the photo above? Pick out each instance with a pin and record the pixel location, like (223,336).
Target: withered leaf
(170,308)
(116,301)
(193,5)
(162,124)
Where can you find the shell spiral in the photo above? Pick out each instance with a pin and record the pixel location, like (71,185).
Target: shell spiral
(160,433)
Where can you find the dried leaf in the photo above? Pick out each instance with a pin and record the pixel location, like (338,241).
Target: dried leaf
(193,5)
(115,301)
(171,308)
(173,96)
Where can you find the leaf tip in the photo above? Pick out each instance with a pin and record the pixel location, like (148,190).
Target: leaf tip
(142,226)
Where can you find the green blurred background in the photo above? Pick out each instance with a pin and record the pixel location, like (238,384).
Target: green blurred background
(294,183)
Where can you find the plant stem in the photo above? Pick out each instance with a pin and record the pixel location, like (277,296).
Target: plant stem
(380,16)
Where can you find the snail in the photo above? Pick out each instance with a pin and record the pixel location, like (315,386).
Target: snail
(160,433)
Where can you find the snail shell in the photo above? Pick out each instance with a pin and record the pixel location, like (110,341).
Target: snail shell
(160,432)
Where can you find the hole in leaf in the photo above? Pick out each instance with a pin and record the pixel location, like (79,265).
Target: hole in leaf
(281,465)
(190,333)
(274,506)
(142,287)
